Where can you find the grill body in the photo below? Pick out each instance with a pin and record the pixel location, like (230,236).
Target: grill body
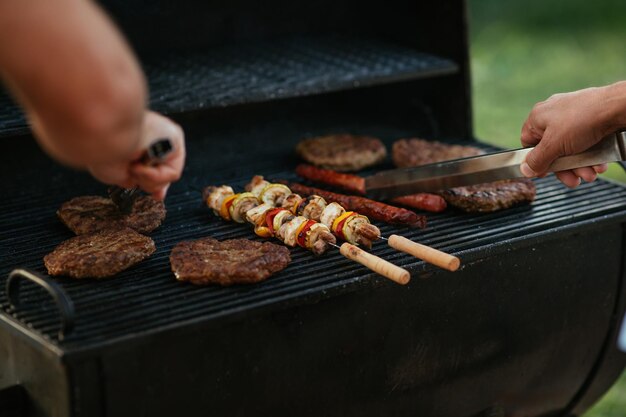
(526,328)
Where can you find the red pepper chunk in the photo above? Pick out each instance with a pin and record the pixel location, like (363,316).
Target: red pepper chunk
(301,238)
(269,218)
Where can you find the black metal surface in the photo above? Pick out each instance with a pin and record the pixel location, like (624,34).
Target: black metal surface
(148,298)
(261,71)
(12,120)
(64,304)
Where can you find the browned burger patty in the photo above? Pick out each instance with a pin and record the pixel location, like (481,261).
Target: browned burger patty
(415,152)
(486,197)
(491,196)
(90,214)
(342,152)
(100,254)
(235,261)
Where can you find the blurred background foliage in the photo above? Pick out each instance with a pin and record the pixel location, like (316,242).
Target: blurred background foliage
(523,51)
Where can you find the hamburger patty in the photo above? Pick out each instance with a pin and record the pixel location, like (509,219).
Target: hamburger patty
(491,196)
(99,255)
(486,197)
(89,214)
(235,261)
(415,152)
(342,152)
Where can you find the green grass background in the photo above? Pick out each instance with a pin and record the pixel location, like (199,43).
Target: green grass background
(523,51)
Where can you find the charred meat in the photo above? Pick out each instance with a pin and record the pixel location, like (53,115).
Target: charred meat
(342,152)
(415,152)
(99,255)
(89,214)
(235,261)
(491,196)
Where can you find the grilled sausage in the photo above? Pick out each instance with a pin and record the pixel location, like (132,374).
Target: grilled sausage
(348,182)
(422,201)
(370,208)
(355,184)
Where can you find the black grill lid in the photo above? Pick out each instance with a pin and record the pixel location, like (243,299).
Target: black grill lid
(261,71)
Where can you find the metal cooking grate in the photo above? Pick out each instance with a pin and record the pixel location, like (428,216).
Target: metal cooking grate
(255,72)
(147,297)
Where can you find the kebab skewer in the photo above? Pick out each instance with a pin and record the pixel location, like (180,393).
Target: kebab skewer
(280,223)
(347,225)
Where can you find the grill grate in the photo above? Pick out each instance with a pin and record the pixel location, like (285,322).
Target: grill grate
(147,296)
(292,67)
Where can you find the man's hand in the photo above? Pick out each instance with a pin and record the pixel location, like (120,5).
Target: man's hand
(570,123)
(154,179)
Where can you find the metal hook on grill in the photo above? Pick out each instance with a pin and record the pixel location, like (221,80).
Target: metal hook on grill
(63,301)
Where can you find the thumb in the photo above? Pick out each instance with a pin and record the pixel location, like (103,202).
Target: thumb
(538,160)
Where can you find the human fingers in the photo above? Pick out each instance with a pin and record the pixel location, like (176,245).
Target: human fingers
(530,135)
(152,179)
(541,157)
(600,169)
(568,178)
(586,173)
(160,194)
(113,174)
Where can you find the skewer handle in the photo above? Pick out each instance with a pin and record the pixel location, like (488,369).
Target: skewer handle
(425,253)
(376,264)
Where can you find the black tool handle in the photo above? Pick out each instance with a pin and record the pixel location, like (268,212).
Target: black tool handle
(157,152)
(63,301)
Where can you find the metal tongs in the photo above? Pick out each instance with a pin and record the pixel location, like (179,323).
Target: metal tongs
(156,153)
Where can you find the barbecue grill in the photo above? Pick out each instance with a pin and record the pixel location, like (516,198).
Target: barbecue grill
(526,328)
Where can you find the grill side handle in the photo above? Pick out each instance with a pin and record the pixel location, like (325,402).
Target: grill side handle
(63,301)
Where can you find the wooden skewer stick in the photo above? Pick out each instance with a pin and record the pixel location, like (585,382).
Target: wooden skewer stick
(425,253)
(376,264)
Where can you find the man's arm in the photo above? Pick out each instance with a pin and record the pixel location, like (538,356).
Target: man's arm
(75,76)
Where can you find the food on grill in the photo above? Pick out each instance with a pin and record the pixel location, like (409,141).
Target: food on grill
(356,185)
(355,228)
(491,196)
(266,218)
(370,208)
(349,226)
(415,152)
(89,214)
(348,182)
(342,152)
(99,255)
(269,220)
(228,262)
(422,201)
(486,197)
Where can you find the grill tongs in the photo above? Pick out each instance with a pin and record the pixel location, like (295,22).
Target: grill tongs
(154,155)
(484,168)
